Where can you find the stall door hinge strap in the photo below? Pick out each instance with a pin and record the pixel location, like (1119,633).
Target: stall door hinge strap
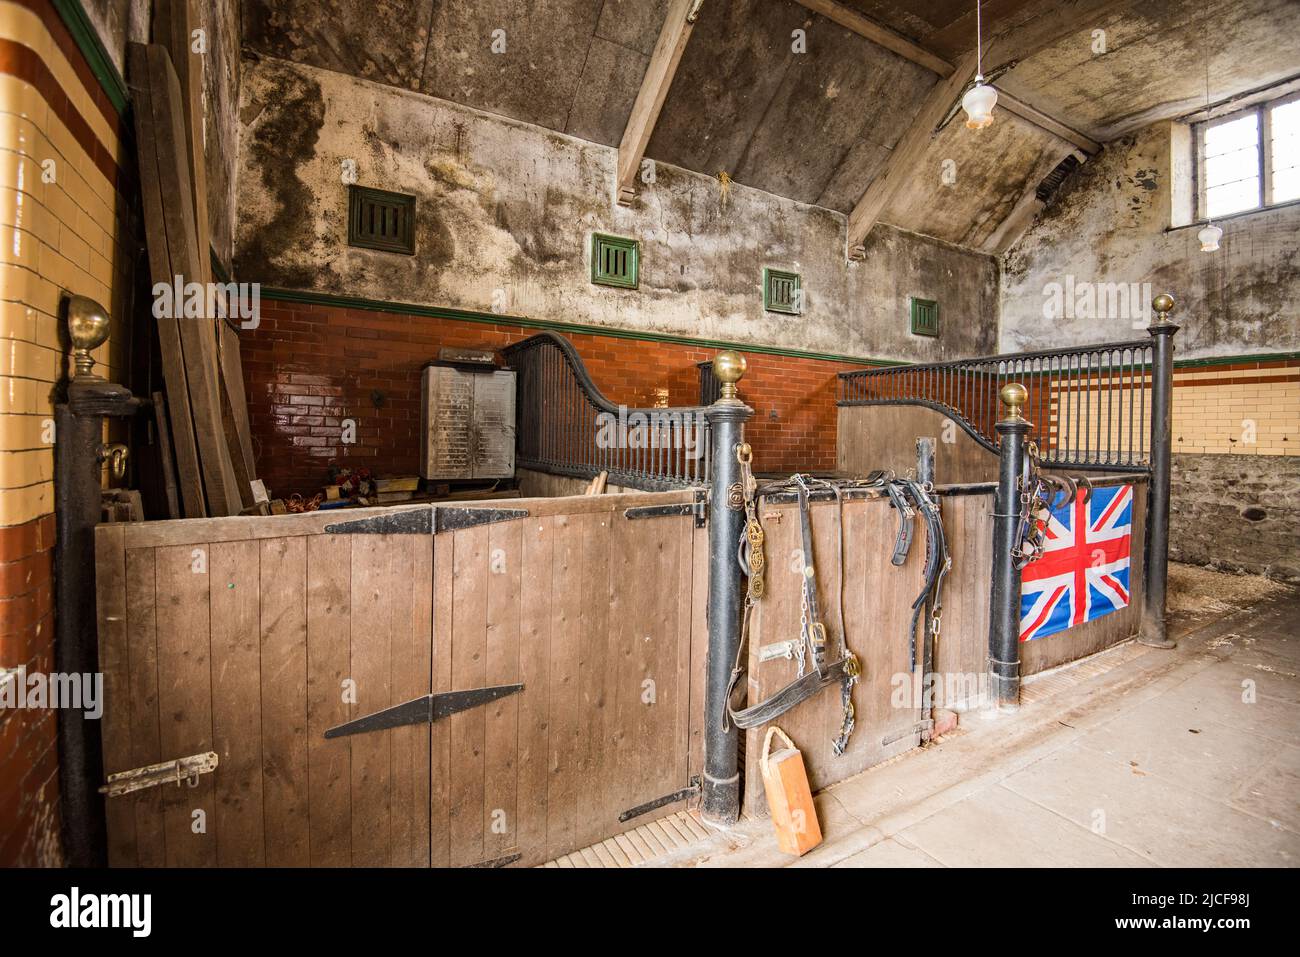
(423,710)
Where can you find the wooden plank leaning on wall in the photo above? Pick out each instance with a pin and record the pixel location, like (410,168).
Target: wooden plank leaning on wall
(184,442)
(175,23)
(191,371)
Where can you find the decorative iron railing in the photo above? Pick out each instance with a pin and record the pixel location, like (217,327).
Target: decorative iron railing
(567,427)
(1090,408)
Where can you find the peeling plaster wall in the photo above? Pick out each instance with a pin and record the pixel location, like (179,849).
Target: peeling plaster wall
(505,210)
(1108,225)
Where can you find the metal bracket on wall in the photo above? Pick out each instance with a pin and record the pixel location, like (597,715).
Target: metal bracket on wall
(698,508)
(425,521)
(689,791)
(423,710)
(167,772)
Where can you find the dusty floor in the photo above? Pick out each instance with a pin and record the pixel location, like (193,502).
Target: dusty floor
(1136,757)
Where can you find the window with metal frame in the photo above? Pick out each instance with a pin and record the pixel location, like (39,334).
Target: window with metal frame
(1249,159)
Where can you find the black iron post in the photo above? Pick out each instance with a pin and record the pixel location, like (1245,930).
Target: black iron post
(79,454)
(1157,539)
(1004,606)
(720,784)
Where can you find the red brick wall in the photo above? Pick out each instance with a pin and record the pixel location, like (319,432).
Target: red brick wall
(29,796)
(308,367)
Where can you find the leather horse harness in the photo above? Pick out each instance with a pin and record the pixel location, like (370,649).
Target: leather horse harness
(1040,495)
(911,499)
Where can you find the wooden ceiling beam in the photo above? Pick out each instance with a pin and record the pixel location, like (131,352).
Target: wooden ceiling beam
(667,54)
(1050,124)
(1017,44)
(907,154)
(864,26)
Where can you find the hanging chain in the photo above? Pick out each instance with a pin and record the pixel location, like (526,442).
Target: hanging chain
(755,561)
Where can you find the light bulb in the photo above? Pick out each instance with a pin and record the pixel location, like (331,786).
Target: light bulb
(978,104)
(1209,236)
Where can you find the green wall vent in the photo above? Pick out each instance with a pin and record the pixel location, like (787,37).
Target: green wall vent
(378,219)
(925,317)
(782,292)
(615,261)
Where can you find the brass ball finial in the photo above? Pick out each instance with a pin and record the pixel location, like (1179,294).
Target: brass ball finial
(88,326)
(1163,304)
(729,367)
(1013,397)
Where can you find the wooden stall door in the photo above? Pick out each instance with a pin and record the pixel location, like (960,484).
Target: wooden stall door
(593,613)
(252,647)
(250,637)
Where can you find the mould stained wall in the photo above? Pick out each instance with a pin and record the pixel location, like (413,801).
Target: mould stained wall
(221,66)
(1108,225)
(505,211)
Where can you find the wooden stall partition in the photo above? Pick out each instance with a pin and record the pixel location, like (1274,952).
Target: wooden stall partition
(250,636)
(884,437)
(962,649)
(1099,634)
(875,597)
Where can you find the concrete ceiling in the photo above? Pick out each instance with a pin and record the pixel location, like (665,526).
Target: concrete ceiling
(816,126)
(1154,62)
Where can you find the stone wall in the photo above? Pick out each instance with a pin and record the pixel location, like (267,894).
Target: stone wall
(1237,512)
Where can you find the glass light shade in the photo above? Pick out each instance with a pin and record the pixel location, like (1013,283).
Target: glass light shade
(1209,236)
(978,104)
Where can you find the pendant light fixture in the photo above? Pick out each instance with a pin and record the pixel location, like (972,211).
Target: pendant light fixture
(980,98)
(1209,234)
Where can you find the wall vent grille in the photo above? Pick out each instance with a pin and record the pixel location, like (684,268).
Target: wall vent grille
(378,219)
(615,261)
(782,292)
(925,317)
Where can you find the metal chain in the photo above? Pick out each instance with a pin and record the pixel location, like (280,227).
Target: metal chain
(752,545)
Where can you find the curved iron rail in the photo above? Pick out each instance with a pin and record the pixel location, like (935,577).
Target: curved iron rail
(1090,407)
(568,427)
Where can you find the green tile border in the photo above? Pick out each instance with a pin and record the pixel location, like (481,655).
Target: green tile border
(92,48)
(1236,360)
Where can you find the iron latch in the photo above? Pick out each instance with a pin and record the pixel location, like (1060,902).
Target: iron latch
(423,710)
(166,772)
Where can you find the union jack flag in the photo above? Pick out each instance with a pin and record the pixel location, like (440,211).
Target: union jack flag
(1083,572)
